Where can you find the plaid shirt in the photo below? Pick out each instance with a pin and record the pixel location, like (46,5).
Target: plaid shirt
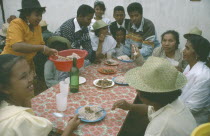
(78,39)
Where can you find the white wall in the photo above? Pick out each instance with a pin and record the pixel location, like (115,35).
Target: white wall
(180,15)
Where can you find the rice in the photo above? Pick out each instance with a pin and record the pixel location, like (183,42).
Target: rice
(90,114)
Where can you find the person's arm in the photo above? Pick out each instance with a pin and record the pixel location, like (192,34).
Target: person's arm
(72,125)
(101,39)
(142,109)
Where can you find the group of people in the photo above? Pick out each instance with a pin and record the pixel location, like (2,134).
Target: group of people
(175,102)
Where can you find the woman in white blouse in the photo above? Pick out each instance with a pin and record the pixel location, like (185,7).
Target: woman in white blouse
(102,43)
(196,93)
(16,91)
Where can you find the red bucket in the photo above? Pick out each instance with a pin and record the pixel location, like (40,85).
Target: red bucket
(67,65)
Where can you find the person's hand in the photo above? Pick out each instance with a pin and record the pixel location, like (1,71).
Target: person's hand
(135,53)
(122,104)
(101,37)
(74,122)
(49,51)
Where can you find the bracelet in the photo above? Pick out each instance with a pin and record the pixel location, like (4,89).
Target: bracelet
(44,49)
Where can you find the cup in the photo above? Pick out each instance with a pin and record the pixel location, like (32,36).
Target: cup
(109,55)
(64,87)
(61,102)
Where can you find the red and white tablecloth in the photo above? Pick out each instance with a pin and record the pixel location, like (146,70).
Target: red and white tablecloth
(44,104)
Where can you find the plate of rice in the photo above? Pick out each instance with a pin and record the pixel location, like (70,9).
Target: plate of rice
(90,113)
(120,80)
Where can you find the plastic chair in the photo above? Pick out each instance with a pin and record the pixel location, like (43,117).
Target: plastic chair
(202,130)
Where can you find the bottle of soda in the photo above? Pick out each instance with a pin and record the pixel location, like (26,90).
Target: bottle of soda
(74,77)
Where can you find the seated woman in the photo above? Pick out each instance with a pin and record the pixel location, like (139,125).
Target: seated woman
(102,43)
(159,92)
(16,91)
(51,75)
(196,93)
(100,9)
(24,35)
(169,50)
(119,35)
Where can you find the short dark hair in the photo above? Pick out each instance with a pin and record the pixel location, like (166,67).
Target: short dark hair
(85,10)
(175,34)
(201,46)
(27,12)
(135,6)
(7,62)
(117,30)
(161,98)
(119,8)
(100,4)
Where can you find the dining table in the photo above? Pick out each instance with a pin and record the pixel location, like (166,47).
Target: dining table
(44,104)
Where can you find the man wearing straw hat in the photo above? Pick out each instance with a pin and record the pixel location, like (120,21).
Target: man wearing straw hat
(158,85)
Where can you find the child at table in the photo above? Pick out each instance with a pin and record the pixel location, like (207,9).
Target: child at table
(16,90)
(51,74)
(119,36)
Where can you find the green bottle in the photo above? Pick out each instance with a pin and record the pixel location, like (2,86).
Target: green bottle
(74,77)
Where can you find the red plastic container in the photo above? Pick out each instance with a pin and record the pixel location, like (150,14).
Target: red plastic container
(67,65)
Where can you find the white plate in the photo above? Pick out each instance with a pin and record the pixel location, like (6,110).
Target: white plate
(81,80)
(96,81)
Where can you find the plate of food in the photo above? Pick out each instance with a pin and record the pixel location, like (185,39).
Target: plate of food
(81,80)
(125,58)
(111,62)
(120,80)
(107,70)
(103,83)
(91,113)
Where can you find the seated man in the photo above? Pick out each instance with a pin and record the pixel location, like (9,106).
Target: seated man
(46,34)
(141,32)
(76,31)
(119,16)
(158,85)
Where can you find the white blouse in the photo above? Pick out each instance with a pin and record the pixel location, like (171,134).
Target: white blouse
(196,93)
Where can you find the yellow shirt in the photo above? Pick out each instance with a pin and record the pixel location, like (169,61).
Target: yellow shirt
(19,31)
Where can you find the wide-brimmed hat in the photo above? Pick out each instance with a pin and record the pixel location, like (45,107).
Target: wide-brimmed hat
(157,75)
(3,30)
(194,31)
(28,4)
(60,39)
(99,24)
(43,23)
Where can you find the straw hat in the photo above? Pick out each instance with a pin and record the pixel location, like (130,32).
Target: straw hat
(3,31)
(194,31)
(99,24)
(60,39)
(29,4)
(43,23)
(157,75)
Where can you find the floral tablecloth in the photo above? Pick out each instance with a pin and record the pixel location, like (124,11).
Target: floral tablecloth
(44,104)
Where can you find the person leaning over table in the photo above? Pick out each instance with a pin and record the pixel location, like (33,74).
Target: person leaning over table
(76,31)
(16,91)
(102,42)
(169,50)
(141,32)
(158,85)
(24,35)
(196,93)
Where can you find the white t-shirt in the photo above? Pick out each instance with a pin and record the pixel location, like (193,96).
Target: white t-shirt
(171,120)
(108,45)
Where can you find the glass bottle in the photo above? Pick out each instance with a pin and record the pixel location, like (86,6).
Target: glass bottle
(74,77)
